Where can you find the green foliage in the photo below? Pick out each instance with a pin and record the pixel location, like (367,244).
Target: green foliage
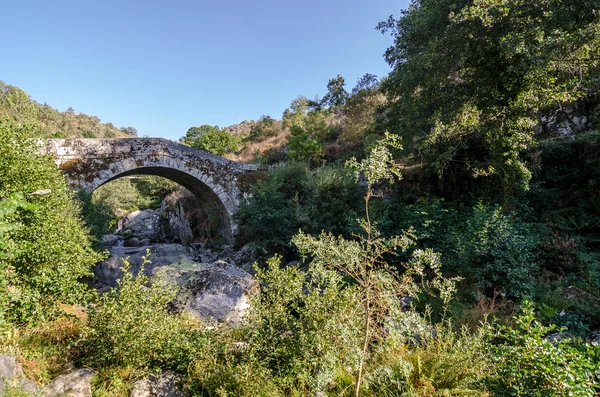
(364,261)
(470,78)
(131,326)
(302,146)
(336,93)
(264,128)
(529,364)
(361,111)
(119,194)
(97,215)
(212,139)
(497,249)
(294,198)
(129,194)
(49,248)
(89,134)
(296,113)
(17,105)
(306,140)
(303,326)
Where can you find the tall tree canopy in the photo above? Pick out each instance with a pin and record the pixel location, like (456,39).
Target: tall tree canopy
(470,77)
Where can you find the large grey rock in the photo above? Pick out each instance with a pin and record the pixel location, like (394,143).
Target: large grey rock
(141,224)
(167,384)
(108,271)
(12,373)
(29,386)
(593,337)
(216,292)
(108,240)
(9,370)
(75,384)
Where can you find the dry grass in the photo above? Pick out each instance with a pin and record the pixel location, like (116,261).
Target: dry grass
(252,149)
(488,309)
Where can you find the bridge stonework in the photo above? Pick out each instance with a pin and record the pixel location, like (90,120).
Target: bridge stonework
(90,163)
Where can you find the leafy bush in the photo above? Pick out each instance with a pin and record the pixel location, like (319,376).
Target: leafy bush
(294,198)
(264,128)
(53,249)
(130,326)
(306,140)
(529,364)
(497,249)
(97,215)
(303,326)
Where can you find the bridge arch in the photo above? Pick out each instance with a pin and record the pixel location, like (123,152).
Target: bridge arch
(90,163)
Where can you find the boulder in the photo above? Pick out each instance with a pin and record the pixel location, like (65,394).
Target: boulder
(9,370)
(75,384)
(557,337)
(132,242)
(109,270)
(108,240)
(12,373)
(141,224)
(167,384)
(593,337)
(216,292)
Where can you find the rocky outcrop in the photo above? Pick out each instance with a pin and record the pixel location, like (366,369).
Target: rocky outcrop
(75,384)
(140,224)
(593,338)
(11,376)
(569,119)
(217,292)
(109,271)
(167,384)
(211,286)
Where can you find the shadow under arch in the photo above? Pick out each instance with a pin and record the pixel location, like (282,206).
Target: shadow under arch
(221,216)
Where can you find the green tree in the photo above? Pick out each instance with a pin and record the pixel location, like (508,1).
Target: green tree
(306,140)
(368,82)
(53,248)
(195,133)
(469,78)
(129,130)
(296,113)
(265,127)
(361,111)
(364,260)
(336,93)
(211,139)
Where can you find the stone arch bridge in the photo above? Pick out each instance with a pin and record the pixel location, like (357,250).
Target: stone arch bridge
(216,181)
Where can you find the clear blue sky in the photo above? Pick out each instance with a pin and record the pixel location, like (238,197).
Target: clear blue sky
(164,66)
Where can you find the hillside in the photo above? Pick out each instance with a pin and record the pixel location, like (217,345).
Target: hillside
(17,105)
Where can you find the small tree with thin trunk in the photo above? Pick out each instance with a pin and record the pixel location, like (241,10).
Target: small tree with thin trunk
(364,259)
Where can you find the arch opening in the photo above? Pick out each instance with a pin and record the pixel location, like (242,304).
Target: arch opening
(208,216)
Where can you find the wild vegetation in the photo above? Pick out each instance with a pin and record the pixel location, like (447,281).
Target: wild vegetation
(430,233)
(17,105)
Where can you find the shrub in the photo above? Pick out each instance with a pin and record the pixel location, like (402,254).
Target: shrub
(303,326)
(54,249)
(497,249)
(89,134)
(294,198)
(130,326)
(529,364)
